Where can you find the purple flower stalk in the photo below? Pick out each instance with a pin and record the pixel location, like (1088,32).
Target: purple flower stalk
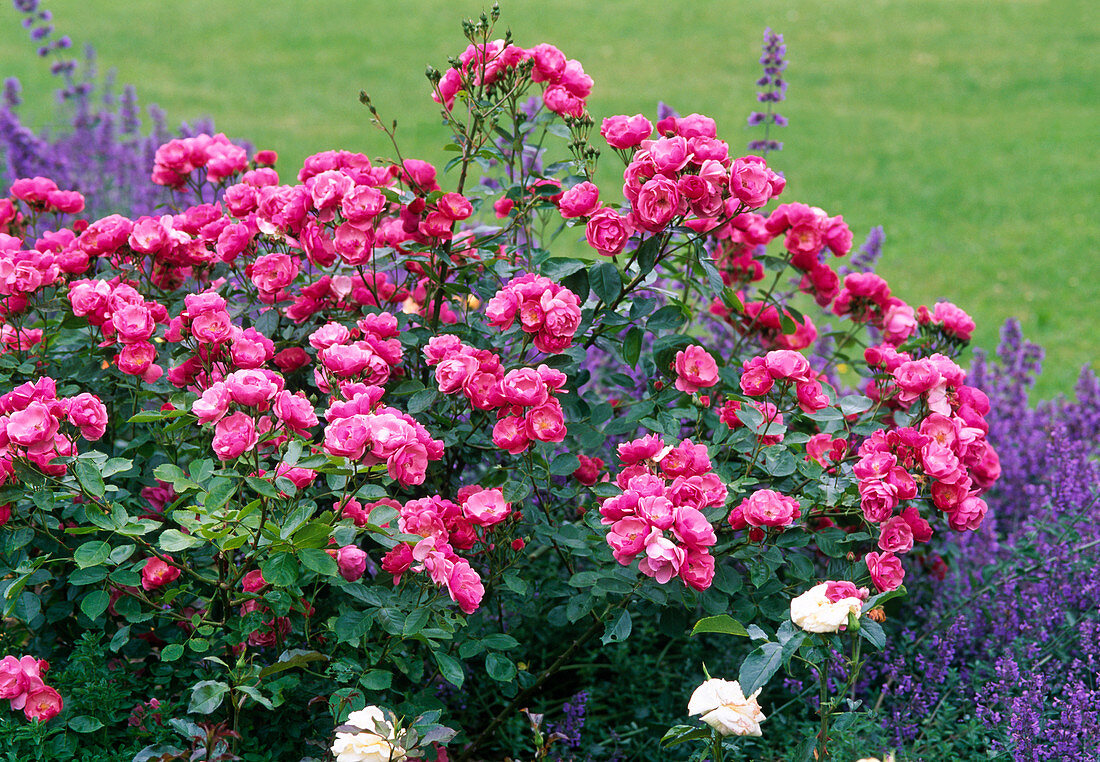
(773,89)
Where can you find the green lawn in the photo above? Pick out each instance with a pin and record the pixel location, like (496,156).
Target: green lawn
(967,128)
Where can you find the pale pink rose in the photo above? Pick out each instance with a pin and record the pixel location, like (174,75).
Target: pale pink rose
(662,559)
(213,404)
(898,323)
(352,562)
(234,435)
(524,386)
(157,573)
(695,369)
(787,364)
(607,231)
(329,335)
(768,508)
(486,507)
(579,201)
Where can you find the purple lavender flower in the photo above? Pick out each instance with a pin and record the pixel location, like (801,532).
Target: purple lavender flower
(773,89)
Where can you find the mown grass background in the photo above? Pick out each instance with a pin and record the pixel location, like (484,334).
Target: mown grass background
(967,128)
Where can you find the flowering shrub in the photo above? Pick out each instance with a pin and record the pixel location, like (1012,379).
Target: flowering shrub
(294,385)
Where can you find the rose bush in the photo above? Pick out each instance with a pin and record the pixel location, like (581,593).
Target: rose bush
(222,423)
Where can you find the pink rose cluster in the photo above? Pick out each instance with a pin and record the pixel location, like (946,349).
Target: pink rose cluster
(41,194)
(786,367)
(366,432)
(566,86)
(948,452)
(659,515)
(952,320)
(445,527)
(124,318)
(551,313)
(24,272)
(177,159)
(765,322)
(31,418)
(250,394)
(686,174)
(369,353)
(22,685)
(527,410)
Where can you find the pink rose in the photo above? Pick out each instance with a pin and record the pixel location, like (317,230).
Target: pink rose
(234,435)
(273,272)
(510,434)
(895,535)
(89,414)
(607,231)
(464,586)
(662,559)
(692,529)
(627,538)
(43,704)
(486,507)
(13,682)
(886,570)
(669,155)
(695,369)
(295,411)
(212,405)
(626,132)
(212,327)
(877,499)
(352,562)
(657,203)
(697,569)
(579,201)
(409,465)
(756,381)
(251,388)
(253,582)
(750,181)
(157,573)
(768,508)
(546,423)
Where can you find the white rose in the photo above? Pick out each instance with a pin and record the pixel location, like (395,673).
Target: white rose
(365,747)
(724,707)
(813,612)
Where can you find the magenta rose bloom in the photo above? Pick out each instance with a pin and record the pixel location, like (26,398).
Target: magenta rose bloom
(886,570)
(607,231)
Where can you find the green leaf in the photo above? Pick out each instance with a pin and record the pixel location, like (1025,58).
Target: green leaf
(605,280)
(254,693)
(89,477)
(564,464)
(221,490)
(619,630)
(173,540)
(262,487)
(557,268)
(95,603)
(352,625)
(422,400)
(759,666)
(499,642)
(376,680)
(171,652)
(88,576)
(83,723)
(93,553)
(684,733)
(415,622)
(723,623)
(854,404)
(500,667)
(317,560)
(207,696)
(872,632)
(632,346)
(450,668)
(647,254)
(280,569)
